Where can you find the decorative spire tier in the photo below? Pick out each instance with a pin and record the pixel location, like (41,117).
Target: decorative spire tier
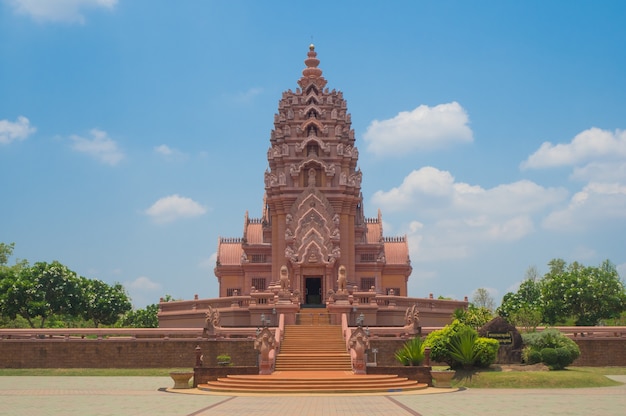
(313,219)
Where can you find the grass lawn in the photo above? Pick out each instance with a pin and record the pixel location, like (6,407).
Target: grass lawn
(570,378)
(90,372)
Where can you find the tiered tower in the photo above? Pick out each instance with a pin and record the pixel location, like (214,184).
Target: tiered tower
(313,218)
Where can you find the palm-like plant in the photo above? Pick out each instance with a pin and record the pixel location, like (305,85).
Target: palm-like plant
(462,347)
(411,353)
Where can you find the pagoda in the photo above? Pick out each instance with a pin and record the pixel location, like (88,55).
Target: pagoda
(312,222)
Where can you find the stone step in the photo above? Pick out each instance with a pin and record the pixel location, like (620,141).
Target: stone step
(312,381)
(319,348)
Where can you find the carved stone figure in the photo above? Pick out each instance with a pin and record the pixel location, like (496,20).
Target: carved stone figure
(311,177)
(284,278)
(412,318)
(265,343)
(359,343)
(342,280)
(211,320)
(290,253)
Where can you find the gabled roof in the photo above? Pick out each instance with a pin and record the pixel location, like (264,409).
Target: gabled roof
(373,233)
(229,252)
(254,233)
(397,252)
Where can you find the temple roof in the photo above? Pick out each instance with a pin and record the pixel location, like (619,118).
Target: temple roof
(229,253)
(254,233)
(397,252)
(373,233)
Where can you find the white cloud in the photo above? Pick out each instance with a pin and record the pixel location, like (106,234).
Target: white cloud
(430,190)
(454,217)
(59,10)
(601,171)
(164,150)
(422,128)
(169,153)
(143,283)
(100,147)
(208,263)
(596,203)
(588,146)
(598,158)
(18,130)
(142,291)
(246,97)
(173,207)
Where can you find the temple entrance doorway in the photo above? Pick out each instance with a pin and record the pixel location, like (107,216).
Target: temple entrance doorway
(313,292)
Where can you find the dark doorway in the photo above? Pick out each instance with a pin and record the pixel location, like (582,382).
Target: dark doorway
(312,292)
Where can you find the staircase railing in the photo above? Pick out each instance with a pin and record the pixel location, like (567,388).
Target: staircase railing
(345,330)
(278,339)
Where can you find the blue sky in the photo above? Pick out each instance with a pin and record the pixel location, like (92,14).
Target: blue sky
(134,133)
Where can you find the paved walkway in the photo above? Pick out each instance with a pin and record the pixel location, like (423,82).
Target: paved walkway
(120,396)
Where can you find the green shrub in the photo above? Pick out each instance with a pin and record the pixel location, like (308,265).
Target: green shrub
(565,351)
(531,356)
(563,358)
(549,357)
(461,347)
(411,353)
(486,352)
(458,345)
(439,341)
(223,360)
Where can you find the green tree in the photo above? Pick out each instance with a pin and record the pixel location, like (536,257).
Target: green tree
(102,303)
(38,292)
(473,316)
(6,251)
(142,318)
(588,294)
(482,299)
(526,301)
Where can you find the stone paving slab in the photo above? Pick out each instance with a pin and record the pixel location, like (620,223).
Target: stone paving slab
(104,396)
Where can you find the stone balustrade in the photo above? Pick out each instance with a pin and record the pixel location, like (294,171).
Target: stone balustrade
(132,334)
(100,334)
(590,331)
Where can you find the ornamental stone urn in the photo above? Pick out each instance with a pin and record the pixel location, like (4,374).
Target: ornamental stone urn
(442,379)
(181,379)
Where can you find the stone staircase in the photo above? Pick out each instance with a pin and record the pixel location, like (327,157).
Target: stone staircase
(321,382)
(312,359)
(313,348)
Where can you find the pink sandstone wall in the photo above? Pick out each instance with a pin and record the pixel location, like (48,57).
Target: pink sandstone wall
(181,353)
(121,354)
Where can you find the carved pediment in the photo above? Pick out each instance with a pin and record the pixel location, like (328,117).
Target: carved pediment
(312,139)
(312,224)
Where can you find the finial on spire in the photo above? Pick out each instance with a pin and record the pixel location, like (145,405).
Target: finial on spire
(311,62)
(311,73)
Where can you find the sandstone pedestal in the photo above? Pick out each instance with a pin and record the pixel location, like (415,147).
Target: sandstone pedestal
(181,379)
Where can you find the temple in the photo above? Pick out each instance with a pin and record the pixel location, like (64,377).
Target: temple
(312,219)
(312,246)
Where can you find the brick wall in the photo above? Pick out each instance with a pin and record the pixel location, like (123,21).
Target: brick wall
(601,352)
(121,353)
(181,353)
(594,352)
